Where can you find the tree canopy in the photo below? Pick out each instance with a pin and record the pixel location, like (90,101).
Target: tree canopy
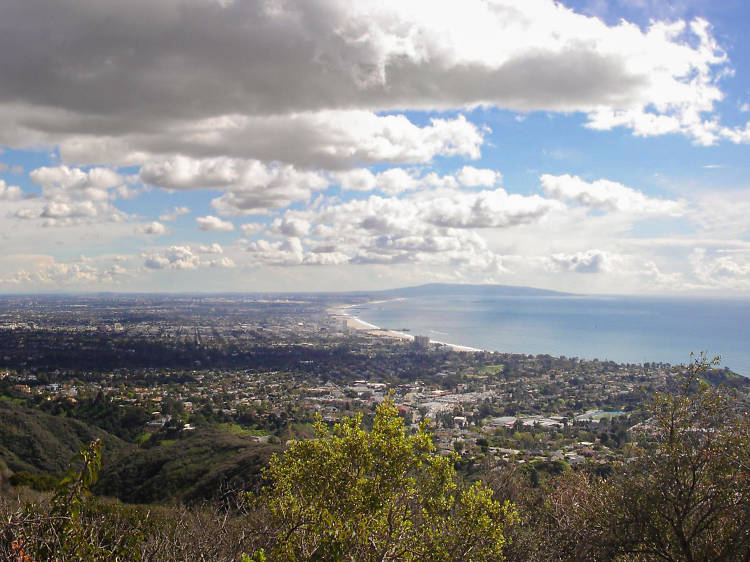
(383,495)
(683,496)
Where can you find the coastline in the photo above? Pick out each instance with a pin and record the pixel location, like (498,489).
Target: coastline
(626,330)
(356,323)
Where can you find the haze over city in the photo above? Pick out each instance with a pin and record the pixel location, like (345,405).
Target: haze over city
(219,145)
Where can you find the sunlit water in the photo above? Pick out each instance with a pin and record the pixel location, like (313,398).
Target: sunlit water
(622,329)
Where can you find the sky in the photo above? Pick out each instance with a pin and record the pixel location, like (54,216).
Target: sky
(328,145)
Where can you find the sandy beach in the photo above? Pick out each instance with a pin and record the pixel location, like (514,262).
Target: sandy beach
(355,323)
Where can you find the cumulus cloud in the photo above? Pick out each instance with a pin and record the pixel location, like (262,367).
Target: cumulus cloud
(73,196)
(391,181)
(174,257)
(488,209)
(70,213)
(9,192)
(224,261)
(608,195)
(185,257)
(44,270)
(124,192)
(214,248)
(287,252)
(62,181)
(721,270)
(171,216)
(153,229)
(435,227)
(193,77)
(332,138)
(475,177)
(397,180)
(212,223)
(590,261)
(290,226)
(329,139)
(268,104)
(359,179)
(251,184)
(252,228)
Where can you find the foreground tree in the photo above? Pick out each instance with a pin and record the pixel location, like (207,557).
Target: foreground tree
(382,495)
(684,497)
(687,497)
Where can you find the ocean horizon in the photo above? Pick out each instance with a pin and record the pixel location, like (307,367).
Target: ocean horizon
(624,329)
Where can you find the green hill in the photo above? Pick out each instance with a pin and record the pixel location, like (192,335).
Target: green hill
(33,441)
(197,467)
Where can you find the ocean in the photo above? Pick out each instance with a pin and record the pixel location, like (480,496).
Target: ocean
(617,328)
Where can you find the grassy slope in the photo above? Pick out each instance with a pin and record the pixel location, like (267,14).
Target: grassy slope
(199,466)
(37,442)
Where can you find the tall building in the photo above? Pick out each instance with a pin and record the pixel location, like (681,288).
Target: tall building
(421,341)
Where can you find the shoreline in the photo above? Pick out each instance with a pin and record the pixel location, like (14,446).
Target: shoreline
(356,323)
(605,349)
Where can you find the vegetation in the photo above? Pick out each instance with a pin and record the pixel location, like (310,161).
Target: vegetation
(382,495)
(685,495)
(200,466)
(682,493)
(34,441)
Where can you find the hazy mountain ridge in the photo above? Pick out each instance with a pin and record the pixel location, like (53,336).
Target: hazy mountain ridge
(439,289)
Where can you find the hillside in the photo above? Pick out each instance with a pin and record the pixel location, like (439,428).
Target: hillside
(197,467)
(34,441)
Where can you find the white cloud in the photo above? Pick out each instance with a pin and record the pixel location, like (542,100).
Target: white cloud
(474,177)
(269,103)
(589,261)
(124,192)
(722,214)
(307,83)
(359,179)
(716,270)
(212,223)
(251,184)
(185,257)
(252,228)
(397,180)
(607,195)
(70,213)
(327,139)
(487,209)
(290,226)
(224,261)
(214,248)
(287,252)
(9,192)
(171,216)
(738,135)
(60,182)
(433,228)
(174,257)
(153,228)
(44,271)
(73,196)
